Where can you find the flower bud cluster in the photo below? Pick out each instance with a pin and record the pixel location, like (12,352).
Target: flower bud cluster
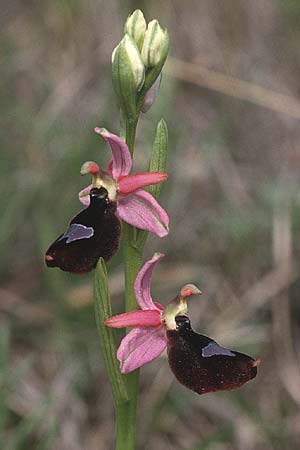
(137,62)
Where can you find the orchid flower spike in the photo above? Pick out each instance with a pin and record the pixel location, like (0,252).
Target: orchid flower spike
(148,339)
(134,205)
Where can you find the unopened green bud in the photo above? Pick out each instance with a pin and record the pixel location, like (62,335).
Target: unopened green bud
(156,45)
(136,26)
(129,57)
(128,73)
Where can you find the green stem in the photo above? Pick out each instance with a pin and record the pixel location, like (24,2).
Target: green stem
(130,130)
(126,412)
(132,261)
(125,426)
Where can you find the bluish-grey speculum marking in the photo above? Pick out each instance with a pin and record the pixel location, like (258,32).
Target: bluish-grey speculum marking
(213,349)
(77,231)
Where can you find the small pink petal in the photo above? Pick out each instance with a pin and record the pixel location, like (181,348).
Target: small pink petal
(146,318)
(142,283)
(140,346)
(130,183)
(141,210)
(122,161)
(84,195)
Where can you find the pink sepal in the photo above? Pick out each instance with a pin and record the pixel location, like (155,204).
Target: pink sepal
(84,195)
(131,183)
(122,160)
(146,318)
(141,210)
(140,346)
(110,166)
(142,283)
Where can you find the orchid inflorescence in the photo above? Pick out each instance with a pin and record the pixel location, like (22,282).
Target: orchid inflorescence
(116,195)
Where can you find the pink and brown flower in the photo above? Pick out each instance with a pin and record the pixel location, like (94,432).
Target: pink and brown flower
(148,338)
(197,361)
(134,205)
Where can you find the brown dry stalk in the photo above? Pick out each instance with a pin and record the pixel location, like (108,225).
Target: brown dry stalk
(226,84)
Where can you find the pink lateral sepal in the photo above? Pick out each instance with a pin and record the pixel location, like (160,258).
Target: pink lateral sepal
(131,183)
(141,210)
(142,284)
(122,160)
(110,166)
(140,346)
(139,318)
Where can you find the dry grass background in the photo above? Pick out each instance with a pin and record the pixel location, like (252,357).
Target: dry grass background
(230,95)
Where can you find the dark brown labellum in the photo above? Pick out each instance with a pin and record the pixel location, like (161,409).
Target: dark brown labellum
(200,364)
(93,233)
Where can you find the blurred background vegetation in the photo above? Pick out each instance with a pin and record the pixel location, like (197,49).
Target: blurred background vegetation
(230,95)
